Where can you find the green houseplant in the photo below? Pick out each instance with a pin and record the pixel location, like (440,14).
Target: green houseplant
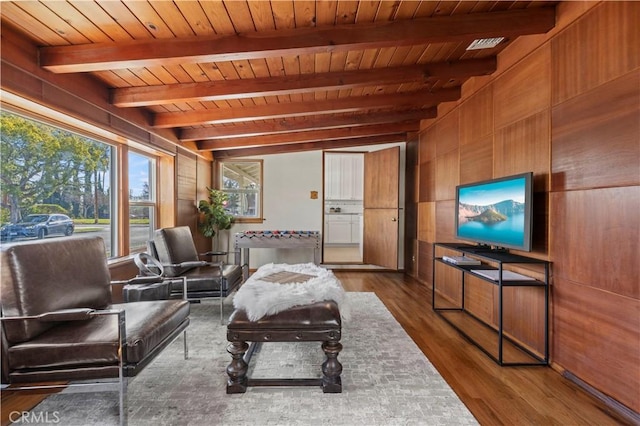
(213,216)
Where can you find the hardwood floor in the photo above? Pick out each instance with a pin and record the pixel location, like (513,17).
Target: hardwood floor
(495,395)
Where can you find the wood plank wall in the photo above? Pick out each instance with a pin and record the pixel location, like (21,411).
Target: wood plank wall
(194,176)
(568,109)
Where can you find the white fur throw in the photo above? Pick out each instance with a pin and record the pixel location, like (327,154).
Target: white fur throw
(259,298)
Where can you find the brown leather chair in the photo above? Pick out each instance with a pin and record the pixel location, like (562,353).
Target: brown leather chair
(58,322)
(176,251)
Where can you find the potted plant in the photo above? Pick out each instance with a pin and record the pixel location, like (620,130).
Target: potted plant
(213,216)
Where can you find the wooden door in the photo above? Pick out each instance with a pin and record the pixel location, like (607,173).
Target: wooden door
(381,207)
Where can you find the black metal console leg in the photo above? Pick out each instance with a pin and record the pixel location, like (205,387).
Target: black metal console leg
(331,368)
(237,369)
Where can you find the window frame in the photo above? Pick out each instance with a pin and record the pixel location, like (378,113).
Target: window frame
(219,185)
(151,203)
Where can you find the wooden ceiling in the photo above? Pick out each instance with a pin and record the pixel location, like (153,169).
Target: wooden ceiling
(255,77)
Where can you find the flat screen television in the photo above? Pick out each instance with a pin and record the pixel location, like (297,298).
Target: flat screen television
(496,212)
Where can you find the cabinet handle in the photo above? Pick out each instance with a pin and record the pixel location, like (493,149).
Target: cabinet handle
(393,219)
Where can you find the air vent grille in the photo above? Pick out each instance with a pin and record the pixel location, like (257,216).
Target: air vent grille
(485,43)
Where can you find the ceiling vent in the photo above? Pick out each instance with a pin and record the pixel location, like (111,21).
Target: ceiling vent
(485,43)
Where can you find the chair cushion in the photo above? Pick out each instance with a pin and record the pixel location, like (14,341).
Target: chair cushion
(94,342)
(36,275)
(175,245)
(141,292)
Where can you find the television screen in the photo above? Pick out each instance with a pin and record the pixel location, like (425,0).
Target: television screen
(496,212)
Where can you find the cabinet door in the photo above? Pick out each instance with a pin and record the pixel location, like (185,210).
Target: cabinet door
(346,177)
(332,177)
(338,232)
(351,174)
(355,229)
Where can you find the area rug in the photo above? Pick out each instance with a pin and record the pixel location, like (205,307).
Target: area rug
(386,381)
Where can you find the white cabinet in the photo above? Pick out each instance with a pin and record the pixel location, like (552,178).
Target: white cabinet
(355,229)
(343,176)
(332,177)
(342,229)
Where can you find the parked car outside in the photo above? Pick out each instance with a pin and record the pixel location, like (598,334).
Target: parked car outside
(38,225)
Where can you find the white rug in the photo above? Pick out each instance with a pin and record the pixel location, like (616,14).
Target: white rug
(386,381)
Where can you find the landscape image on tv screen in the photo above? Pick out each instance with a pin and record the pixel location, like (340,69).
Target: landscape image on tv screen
(494,212)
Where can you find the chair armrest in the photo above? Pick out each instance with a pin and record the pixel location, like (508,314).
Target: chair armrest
(138,280)
(75,314)
(191,264)
(78,314)
(215,253)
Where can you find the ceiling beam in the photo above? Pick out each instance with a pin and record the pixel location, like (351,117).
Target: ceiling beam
(304,83)
(339,38)
(415,99)
(309,146)
(303,124)
(310,136)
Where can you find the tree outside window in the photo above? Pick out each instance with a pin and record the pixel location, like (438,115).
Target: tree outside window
(46,169)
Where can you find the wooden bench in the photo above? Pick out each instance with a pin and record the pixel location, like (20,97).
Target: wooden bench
(316,322)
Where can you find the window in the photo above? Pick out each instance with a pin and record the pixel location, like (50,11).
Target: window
(52,167)
(46,171)
(242,181)
(142,203)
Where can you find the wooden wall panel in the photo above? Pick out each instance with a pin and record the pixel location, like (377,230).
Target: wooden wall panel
(427,182)
(427,222)
(476,160)
(204,176)
(187,215)
(541,224)
(601,47)
(186,168)
(425,262)
(595,238)
(448,286)
(447,175)
(476,116)
(596,137)
(411,208)
(524,90)
(427,147)
(595,333)
(412,172)
(480,299)
(523,315)
(186,185)
(584,150)
(523,146)
(447,137)
(445,221)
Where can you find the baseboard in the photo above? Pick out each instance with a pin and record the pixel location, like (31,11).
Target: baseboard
(620,409)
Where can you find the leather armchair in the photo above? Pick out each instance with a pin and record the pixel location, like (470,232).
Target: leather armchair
(58,322)
(176,251)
